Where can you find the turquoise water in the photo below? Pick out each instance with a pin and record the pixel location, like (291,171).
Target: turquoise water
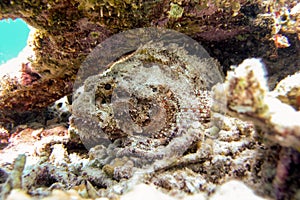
(13,38)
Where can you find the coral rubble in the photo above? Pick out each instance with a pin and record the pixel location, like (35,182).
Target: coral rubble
(224,148)
(248,97)
(67,31)
(276,113)
(141,105)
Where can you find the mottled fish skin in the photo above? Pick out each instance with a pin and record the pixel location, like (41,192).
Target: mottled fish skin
(148,98)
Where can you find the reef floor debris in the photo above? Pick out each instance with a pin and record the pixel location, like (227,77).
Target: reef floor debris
(194,152)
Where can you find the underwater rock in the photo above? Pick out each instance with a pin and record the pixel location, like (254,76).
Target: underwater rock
(248,97)
(288,91)
(139,191)
(208,162)
(48,165)
(189,166)
(18,194)
(14,181)
(277,115)
(67,31)
(232,189)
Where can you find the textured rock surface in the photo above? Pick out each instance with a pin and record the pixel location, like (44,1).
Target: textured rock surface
(277,114)
(67,31)
(227,149)
(193,166)
(55,162)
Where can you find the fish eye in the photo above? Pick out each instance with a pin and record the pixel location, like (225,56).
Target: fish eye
(107,86)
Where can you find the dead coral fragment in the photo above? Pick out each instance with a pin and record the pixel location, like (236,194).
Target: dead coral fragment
(247,87)
(15,179)
(288,91)
(248,97)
